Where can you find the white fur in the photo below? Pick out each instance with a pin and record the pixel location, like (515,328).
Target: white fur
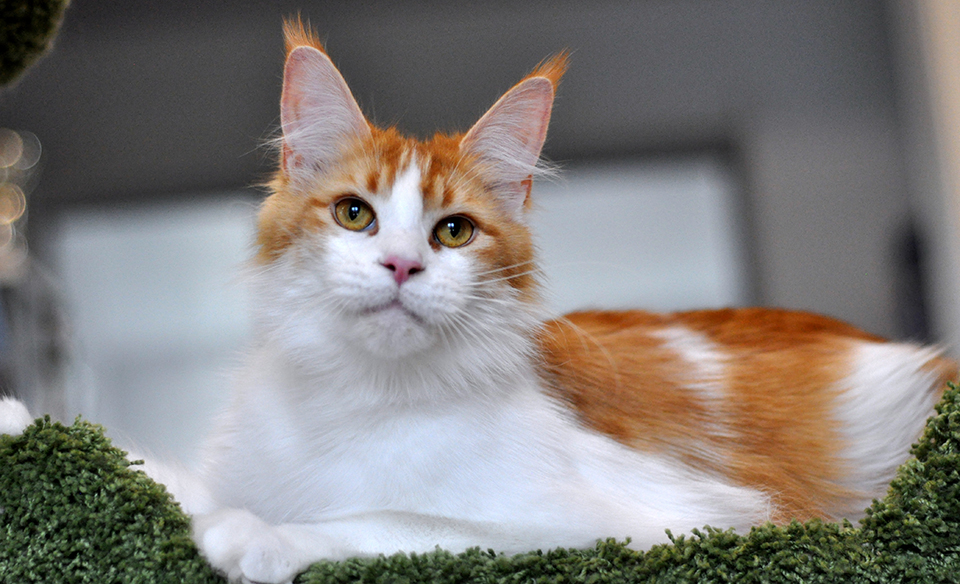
(14,417)
(707,365)
(495,464)
(402,211)
(704,375)
(882,407)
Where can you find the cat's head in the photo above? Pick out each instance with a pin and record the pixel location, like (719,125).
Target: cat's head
(396,244)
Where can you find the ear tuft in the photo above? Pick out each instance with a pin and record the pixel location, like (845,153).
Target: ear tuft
(297,34)
(552,68)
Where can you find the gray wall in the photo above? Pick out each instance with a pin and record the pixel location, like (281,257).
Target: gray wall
(148,100)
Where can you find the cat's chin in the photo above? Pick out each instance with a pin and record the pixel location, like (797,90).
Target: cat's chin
(392,331)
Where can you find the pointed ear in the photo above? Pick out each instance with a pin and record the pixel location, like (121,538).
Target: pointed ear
(508,138)
(318,114)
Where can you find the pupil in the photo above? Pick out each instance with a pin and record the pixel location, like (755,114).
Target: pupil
(354,212)
(454,228)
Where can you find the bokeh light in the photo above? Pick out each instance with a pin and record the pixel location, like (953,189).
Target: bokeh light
(11,148)
(13,202)
(19,155)
(30,154)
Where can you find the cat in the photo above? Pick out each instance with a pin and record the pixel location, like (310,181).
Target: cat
(408,389)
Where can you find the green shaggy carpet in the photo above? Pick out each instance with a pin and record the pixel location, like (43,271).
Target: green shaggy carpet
(73,511)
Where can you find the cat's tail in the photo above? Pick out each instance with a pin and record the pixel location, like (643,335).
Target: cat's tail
(883,406)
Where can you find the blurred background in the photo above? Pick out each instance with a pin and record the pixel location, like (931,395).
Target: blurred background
(715,153)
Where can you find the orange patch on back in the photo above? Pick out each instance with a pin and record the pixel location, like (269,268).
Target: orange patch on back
(772,426)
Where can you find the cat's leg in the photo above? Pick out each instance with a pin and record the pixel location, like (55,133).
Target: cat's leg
(388,532)
(14,417)
(247,549)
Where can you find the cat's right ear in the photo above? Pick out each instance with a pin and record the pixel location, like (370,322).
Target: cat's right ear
(318,114)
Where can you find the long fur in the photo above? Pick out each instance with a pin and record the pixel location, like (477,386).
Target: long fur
(445,408)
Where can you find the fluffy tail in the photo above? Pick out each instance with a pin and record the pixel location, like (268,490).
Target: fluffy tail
(884,404)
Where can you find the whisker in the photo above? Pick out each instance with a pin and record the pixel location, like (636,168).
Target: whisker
(491,299)
(462,324)
(504,268)
(508,277)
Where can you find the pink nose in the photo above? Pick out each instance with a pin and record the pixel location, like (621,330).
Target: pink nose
(402,268)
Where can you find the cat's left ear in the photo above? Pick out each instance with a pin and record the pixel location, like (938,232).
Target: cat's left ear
(509,137)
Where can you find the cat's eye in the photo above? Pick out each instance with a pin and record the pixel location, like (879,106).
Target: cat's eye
(353,214)
(454,231)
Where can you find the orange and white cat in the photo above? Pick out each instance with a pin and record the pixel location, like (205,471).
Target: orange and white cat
(408,390)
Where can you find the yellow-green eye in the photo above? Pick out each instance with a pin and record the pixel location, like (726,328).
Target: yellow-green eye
(353,214)
(454,231)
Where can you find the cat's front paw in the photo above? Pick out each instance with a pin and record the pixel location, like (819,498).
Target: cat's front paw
(245,548)
(14,416)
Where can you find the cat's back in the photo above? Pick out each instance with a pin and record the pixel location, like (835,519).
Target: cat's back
(812,411)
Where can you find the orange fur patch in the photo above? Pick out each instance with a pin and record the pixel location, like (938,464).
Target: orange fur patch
(772,427)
